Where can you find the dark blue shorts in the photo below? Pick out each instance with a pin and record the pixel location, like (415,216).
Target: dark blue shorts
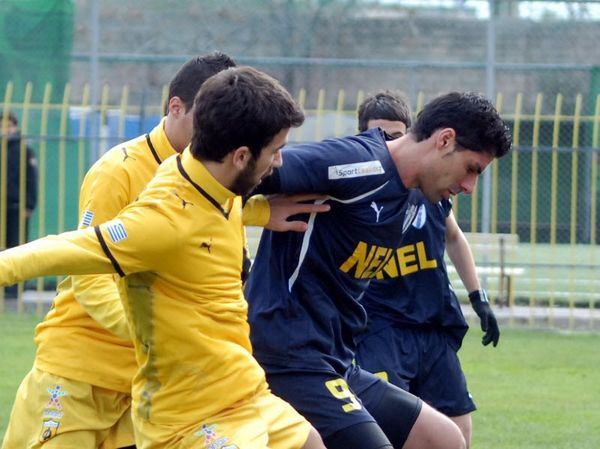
(335,403)
(420,361)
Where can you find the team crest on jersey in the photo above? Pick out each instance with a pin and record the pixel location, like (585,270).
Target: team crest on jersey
(49,429)
(86,218)
(52,413)
(211,439)
(356,170)
(116,230)
(420,218)
(55,394)
(409,216)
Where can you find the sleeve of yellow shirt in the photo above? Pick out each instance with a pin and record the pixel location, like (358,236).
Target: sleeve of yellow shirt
(75,252)
(257,211)
(143,237)
(139,239)
(103,194)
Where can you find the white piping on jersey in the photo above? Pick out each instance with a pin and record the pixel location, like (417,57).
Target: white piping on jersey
(311,224)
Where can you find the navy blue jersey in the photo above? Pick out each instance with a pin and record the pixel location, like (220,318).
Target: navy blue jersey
(414,289)
(304,289)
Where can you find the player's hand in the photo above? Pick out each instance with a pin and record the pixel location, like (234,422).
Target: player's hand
(284,206)
(489,324)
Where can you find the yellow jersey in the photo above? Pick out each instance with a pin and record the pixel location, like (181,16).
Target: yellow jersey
(180,251)
(84,335)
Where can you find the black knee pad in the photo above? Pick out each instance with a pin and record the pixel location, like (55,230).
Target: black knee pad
(396,414)
(366,435)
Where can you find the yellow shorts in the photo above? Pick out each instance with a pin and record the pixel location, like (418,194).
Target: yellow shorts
(55,412)
(264,421)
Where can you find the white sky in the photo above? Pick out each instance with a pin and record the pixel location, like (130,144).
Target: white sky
(531,10)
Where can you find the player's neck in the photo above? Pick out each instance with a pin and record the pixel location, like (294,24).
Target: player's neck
(224,172)
(404,153)
(173,135)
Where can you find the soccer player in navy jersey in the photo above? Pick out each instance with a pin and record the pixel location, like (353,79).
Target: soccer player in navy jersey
(304,291)
(415,324)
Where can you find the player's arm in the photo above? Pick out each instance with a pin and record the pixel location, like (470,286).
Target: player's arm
(273,211)
(459,252)
(333,168)
(135,241)
(75,252)
(103,194)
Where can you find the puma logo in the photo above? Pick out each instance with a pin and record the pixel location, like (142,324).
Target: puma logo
(377,211)
(206,245)
(183,202)
(126,154)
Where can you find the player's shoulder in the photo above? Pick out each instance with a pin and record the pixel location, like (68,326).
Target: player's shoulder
(123,155)
(367,146)
(127,151)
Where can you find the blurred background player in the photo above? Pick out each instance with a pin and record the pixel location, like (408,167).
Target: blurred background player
(387,110)
(10,133)
(415,323)
(179,249)
(304,291)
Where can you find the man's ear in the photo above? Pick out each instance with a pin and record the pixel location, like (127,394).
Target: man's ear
(241,156)
(445,139)
(176,106)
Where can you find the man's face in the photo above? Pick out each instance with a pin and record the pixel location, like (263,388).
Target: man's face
(257,169)
(11,128)
(452,173)
(395,128)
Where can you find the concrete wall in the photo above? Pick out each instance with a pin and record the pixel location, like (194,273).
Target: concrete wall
(183,29)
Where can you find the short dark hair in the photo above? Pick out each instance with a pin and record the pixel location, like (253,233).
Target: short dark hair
(477,124)
(190,76)
(11,118)
(383,105)
(240,107)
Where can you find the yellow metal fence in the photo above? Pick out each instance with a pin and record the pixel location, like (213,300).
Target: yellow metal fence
(546,190)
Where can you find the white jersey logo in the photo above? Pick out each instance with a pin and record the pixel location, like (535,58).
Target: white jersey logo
(377,211)
(355,170)
(421,217)
(409,216)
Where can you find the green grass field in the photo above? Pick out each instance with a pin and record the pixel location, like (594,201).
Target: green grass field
(16,353)
(536,390)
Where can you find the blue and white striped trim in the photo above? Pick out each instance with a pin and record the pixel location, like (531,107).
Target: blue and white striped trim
(86,218)
(116,230)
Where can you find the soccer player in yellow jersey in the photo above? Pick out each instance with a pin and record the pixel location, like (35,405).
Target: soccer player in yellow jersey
(77,394)
(179,250)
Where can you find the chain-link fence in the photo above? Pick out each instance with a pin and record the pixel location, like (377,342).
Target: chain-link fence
(82,75)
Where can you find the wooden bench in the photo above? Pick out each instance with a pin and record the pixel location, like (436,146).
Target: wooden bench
(492,253)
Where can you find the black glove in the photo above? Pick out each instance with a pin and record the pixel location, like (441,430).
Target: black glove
(489,325)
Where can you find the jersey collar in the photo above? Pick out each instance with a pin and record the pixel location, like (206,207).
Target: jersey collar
(162,147)
(204,182)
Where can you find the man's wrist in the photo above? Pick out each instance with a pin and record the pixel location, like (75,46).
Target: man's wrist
(478,295)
